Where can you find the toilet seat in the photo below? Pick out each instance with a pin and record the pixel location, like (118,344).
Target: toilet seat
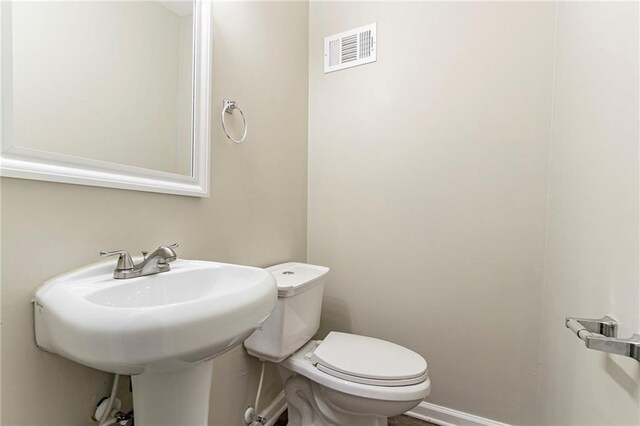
(375,382)
(368,360)
(300,363)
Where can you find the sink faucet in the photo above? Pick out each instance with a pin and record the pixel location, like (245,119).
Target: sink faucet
(154,263)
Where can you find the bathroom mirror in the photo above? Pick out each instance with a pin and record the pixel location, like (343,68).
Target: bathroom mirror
(107,93)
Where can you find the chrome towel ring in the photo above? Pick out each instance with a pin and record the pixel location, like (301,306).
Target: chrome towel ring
(227,108)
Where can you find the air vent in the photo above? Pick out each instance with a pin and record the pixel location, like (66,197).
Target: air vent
(350,48)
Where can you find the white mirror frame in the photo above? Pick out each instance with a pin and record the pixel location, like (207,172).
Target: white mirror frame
(25,163)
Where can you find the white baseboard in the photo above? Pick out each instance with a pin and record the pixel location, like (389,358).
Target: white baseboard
(273,411)
(444,416)
(426,411)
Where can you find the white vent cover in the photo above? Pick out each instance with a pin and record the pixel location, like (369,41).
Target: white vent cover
(350,48)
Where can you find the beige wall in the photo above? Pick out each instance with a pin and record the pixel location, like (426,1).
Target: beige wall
(256,215)
(592,257)
(427,190)
(428,180)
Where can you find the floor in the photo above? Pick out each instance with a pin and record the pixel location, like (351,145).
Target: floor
(393,421)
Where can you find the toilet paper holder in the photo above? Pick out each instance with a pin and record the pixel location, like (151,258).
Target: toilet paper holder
(601,335)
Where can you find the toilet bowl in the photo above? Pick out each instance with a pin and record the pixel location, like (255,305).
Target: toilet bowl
(318,397)
(345,379)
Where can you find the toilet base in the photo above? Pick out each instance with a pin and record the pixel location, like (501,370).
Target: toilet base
(308,405)
(311,404)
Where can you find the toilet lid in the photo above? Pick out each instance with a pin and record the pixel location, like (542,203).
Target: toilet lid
(367,360)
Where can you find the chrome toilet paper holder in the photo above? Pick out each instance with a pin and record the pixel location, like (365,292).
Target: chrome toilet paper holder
(602,335)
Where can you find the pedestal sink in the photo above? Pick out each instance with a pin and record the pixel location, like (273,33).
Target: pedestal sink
(164,330)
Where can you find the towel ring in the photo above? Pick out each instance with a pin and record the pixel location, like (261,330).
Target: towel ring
(227,108)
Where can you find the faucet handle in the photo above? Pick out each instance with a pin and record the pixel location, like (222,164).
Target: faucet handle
(125,262)
(170,247)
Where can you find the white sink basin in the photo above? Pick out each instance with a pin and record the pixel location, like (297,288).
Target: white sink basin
(155,325)
(159,322)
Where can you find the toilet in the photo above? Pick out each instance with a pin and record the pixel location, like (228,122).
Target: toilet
(343,380)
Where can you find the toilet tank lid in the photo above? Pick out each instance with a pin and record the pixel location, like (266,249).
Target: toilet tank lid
(293,278)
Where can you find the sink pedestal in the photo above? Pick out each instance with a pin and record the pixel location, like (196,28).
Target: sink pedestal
(177,398)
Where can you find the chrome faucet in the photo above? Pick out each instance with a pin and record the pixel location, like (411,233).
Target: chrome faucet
(153,263)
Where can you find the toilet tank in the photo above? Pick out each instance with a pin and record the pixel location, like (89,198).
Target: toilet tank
(296,317)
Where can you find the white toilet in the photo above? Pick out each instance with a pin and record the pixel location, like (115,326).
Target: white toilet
(345,379)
